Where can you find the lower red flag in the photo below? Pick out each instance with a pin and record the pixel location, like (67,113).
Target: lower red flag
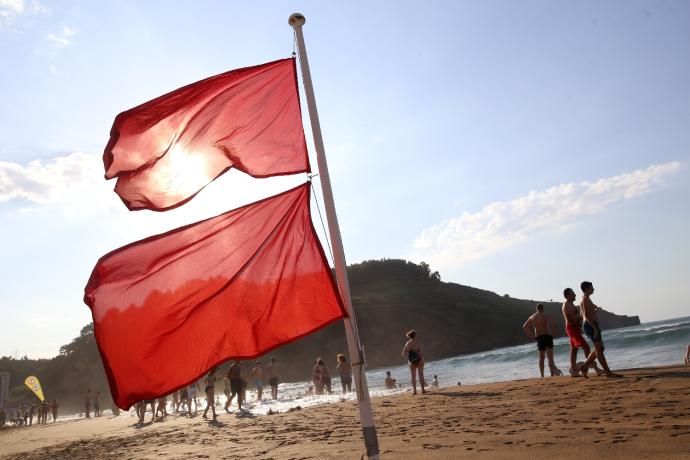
(168,308)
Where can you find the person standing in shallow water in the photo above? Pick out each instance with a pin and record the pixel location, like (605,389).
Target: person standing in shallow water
(316,377)
(325,377)
(87,404)
(257,373)
(345,371)
(273,371)
(390,382)
(415,358)
(54,407)
(97,404)
(541,327)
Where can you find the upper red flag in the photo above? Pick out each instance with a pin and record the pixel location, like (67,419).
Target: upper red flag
(168,308)
(165,151)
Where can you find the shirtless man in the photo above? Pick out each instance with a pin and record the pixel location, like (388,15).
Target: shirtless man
(175,400)
(316,377)
(237,378)
(97,404)
(325,377)
(687,356)
(141,411)
(192,390)
(184,401)
(593,331)
(87,404)
(273,371)
(226,391)
(573,327)
(390,382)
(542,328)
(161,407)
(257,374)
(45,409)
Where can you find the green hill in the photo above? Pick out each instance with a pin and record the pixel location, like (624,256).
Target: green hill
(390,297)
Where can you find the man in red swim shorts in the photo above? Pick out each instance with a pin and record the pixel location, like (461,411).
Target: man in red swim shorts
(573,327)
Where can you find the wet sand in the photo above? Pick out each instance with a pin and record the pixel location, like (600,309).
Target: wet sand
(645,414)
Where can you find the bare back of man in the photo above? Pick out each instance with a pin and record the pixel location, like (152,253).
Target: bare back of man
(273,371)
(235,376)
(542,328)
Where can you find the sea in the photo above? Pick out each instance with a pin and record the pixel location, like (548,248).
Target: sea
(657,343)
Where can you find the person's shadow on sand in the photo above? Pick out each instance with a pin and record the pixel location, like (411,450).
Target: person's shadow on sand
(140,425)
(216,424)
(463,394)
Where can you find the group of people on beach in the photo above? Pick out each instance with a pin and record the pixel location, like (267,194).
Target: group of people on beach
(321,376)
(237,378)
(542,328)
(235,386)
(92,402)
(25,413)
(234,383)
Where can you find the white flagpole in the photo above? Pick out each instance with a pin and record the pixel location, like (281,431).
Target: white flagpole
(354,347)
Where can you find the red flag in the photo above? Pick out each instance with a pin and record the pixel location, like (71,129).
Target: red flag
(168,308)
(165,151)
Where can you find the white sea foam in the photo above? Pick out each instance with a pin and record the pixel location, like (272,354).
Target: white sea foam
(651,344)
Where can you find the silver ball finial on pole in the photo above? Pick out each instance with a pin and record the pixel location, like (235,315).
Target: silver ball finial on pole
(297,20)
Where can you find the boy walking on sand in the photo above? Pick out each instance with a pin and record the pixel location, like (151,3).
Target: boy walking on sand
(593,331)
(541,327)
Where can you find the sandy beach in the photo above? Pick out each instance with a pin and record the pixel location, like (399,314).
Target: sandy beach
(645,414)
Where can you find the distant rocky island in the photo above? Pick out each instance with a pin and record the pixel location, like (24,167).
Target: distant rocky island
(390,297)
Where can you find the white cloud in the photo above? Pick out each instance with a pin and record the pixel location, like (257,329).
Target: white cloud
(74,185)
(73,182)
(11,9)
(505,223)
(62,39)
(38,8)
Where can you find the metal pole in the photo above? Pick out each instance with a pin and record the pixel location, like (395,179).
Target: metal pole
(354,347)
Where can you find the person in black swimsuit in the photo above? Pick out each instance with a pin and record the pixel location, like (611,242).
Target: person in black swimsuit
(415,358)
(210,389)
(541,327)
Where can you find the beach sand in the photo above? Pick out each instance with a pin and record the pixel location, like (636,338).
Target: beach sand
(645,414)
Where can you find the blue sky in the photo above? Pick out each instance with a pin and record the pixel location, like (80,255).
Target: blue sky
(519,147)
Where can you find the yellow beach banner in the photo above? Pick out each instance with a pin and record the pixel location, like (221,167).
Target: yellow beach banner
(35,386)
